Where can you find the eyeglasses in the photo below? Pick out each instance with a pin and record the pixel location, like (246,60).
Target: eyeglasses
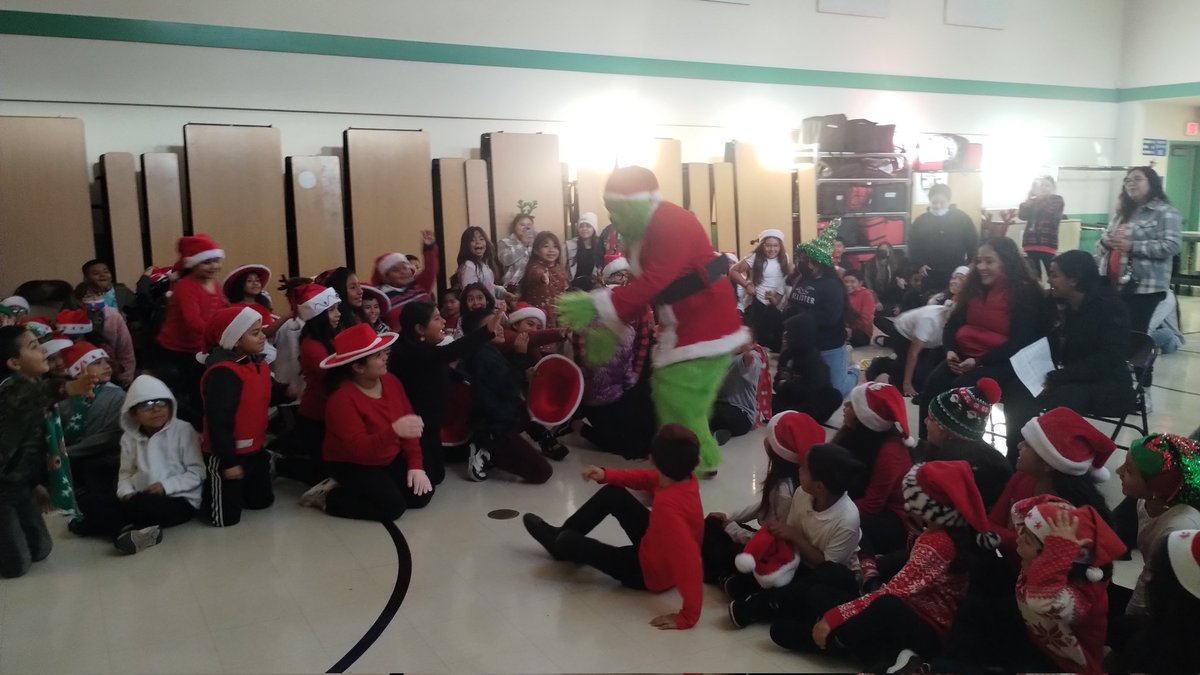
(1135,179)
(152,404)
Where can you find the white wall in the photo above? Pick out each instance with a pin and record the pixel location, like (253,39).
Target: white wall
(136,97)
(1159,43)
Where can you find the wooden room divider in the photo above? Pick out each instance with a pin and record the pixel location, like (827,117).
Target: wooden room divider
(162,202)
(725,207)
(698,195)
(764,196)
(235,192)
(315,218)
(45,200)
(123,213)
(524,167)
(450,209)
(389,192)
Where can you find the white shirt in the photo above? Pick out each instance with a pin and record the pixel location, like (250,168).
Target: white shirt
(779,503)
(772,279)
(924,323)
(835,531)
(1150,534)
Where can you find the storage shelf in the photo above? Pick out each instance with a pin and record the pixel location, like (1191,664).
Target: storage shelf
(861,155)
(871,249)
(865,214)
(864,180)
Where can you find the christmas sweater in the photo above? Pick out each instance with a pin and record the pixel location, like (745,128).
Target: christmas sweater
(1066,618)
(925,584)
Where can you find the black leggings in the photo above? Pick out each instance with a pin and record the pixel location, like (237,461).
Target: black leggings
(881,631)
(372,492)
(1038,260)
(1141,307)
(882,533)
(766,322)
(107,515)
(730,418)
(618,562)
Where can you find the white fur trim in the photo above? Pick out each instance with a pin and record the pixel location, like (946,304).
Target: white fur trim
(527,313)
(781,576)
(318,303)
(783,453)
(666,353)
(1036,437)
(606,312)
(1099,475)
(589,218)
(16,301)
(74,369)
(744,562)
(1035,523)
(389,261)
(869,418)
(1187,569)
(961,269)
(778,234)
(617,265)
(238,327)
(203,256)
(56,345)
(75,328)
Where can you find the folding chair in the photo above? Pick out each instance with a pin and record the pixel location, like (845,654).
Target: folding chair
(1143,352)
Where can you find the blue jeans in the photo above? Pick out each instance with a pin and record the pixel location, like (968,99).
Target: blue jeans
(842,375)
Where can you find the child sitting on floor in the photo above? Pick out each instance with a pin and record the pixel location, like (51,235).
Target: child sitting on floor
(92,423)
(451,311)
(396,275)
(802,381)
(745,395)
(665,548)
(161,474)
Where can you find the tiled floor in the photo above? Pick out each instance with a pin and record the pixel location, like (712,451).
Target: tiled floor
(291,589)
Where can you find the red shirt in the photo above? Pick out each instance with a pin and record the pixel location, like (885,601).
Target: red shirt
(188,311)
(358,428)
(670,551)
(312,401)
(988,322)
(1020,486)
(862,302)
(884,490)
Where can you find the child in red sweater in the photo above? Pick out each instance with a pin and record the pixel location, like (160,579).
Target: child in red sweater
(237,391)
(860,320)
(665,552)
(372,438)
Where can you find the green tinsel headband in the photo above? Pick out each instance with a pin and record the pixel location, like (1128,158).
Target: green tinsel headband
(1158,454)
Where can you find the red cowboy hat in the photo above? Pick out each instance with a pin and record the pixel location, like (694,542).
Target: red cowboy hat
(239,273)
(356,342)
(555,390)
(385,303)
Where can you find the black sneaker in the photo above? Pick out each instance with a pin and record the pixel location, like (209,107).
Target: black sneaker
(722,436)
(554,450)
(753,609)
(133,540)
(542,532)
(78,527)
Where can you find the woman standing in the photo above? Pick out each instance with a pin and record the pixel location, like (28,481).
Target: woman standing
(585,254)
(1136,251)
(1042,212)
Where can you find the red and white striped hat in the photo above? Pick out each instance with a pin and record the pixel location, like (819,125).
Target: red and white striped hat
(81,355)
(73,322)
(1069,443)
(524,311)
(881,407)
(312,300)
(792,434)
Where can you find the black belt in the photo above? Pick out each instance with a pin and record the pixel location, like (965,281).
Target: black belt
(690,284)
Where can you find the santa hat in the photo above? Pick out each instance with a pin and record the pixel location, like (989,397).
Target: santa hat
(228,325)
(632,183)
(820,250)
(881,407)
(196,249)
(385,303)
(1069,443)
(589,218)
(73,322)
(38,326)
(386,262)
(961,269)
(81,355)
(236,279)
(772,560)
(945,493)
(792,434)
(158,275)
(524,311)
(16,302)
(614,264)
(356,342)
(766,234)
(311,300)
(964,411)
(1170,465)
(1036,513)
(1183,550)
(56,344)
(555,390)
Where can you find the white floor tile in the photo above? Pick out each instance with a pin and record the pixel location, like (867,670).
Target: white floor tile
(283,645)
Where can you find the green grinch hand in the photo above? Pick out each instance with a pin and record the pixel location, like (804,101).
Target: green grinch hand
(576,310)
(600,346)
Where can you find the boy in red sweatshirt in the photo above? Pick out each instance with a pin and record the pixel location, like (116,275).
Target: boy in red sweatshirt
(237,391)
(665,549)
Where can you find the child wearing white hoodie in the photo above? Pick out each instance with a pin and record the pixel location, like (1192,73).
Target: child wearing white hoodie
(161,475)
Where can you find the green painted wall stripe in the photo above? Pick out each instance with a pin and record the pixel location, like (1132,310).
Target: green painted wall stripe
(200,35)
(1179,90)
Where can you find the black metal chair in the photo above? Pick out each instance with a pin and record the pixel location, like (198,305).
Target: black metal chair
(1143,352)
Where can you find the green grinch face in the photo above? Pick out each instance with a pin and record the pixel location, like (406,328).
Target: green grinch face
(630,216)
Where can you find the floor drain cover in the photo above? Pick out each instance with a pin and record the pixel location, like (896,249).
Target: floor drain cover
(503,514)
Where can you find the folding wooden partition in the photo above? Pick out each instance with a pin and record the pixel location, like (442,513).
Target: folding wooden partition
(698,195)
(45,200)
(235,189)
(806,186)
(314,213)
(668,168)
(390,192)
(764,195)
(589,193)
(122,210)
(450,209)
(724,207)
(479,204)
(524,167)
(163,205)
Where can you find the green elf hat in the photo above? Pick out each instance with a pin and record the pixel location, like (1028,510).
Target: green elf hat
(821,250)
(1170,464)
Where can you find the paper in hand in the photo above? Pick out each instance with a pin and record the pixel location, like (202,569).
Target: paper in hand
(1032,364)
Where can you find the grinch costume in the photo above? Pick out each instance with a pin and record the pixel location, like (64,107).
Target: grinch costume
(677,271)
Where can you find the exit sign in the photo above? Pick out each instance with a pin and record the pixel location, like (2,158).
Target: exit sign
(1192,129)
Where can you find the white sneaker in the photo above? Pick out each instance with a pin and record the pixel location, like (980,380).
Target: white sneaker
(477,463)
(132,541)
(1149,402)
(316,495)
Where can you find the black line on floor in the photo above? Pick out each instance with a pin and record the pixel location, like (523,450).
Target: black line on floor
(403,579)
(1178,391)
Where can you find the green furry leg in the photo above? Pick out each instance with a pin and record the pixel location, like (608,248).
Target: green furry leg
(684,393)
